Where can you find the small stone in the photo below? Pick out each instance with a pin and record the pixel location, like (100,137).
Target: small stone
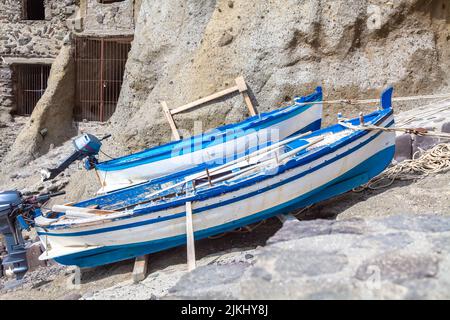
(100,18)
(72,296)
(225,40)
(25,40)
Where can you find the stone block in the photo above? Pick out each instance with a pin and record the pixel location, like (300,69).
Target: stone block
(446,127)
(403,147)
(424,143)
(33,252)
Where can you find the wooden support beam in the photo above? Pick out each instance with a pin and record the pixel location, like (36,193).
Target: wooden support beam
(169,117)
(140,268)
(66,208)
(204,100)
(190,237)
(249,103)
(242,86)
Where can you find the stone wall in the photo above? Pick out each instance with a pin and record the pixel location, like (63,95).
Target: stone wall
(6,92)
(28,39)
(112,18)
(43,38)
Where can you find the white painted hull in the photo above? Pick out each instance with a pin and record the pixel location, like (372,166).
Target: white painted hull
(61,243)
(119,179)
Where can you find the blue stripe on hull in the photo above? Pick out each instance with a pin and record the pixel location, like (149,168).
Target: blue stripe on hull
(133,193)
(205,140)
(353,178)
(217,192)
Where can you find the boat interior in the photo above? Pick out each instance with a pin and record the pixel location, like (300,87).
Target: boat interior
(258,165)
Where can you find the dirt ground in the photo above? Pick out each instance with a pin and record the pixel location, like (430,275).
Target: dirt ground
(55,282)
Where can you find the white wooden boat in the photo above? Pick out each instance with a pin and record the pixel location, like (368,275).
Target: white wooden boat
(278,179)
(213,148)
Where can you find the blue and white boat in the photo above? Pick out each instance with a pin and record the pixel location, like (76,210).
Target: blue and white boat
(215,147)
(285,176)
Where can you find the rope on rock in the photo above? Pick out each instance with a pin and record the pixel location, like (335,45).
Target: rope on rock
(424,163)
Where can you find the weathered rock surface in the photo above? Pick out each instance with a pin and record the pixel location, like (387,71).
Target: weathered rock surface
(27,178)
(8,133)
(189,49)
(52,118)
(352,48)
(396,257)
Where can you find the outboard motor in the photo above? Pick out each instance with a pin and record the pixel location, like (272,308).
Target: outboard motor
(16,214)
(16,258)
(86,146)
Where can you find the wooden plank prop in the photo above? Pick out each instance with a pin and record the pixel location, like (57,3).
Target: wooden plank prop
(240,86)
(190,237)
(140,268)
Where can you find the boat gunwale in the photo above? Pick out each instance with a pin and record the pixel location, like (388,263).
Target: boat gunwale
(140,157)
(379,117)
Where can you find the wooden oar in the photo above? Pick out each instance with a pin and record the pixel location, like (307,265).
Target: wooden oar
(370,101)
(261,152)
(297,150)
(265,162)
(64,209)
(226,177)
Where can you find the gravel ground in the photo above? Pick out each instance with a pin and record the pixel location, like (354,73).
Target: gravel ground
(114,281)
(28,179)
(8,133)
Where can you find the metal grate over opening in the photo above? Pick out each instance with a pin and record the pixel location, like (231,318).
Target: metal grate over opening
(100,64)
(30,84)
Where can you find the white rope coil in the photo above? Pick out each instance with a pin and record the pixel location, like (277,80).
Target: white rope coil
(423,164)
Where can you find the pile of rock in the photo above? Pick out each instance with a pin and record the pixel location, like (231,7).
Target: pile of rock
(8,133)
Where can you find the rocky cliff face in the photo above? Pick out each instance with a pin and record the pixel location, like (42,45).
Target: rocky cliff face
(54,110)
(187,49)
(184,50)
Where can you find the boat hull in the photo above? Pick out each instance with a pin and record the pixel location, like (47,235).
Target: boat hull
(210,150)
(333,174)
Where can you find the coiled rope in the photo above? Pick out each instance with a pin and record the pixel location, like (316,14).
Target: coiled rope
(424,163)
